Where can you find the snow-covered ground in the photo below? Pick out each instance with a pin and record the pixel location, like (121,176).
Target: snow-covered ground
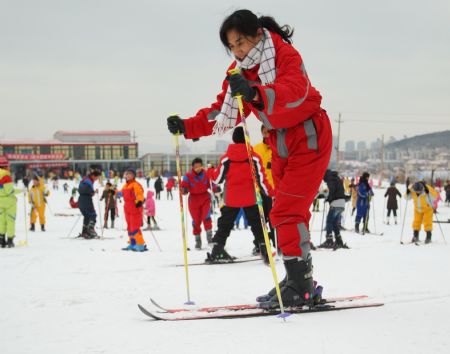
(65,295)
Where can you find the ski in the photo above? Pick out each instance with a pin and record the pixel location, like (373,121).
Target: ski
(235,261)
(249,306)
(366,233)
(246,313)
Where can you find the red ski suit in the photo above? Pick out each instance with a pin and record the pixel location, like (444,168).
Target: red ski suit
(234,172)
(199,200)
(300,137)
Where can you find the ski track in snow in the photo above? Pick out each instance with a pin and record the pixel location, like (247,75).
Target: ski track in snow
(80,296)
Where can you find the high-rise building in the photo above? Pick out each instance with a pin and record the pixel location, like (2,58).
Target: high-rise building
(361,146)
(349,146)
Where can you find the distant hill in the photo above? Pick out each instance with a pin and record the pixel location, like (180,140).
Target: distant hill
(432,140)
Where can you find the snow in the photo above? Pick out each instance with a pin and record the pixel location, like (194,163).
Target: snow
(64,295)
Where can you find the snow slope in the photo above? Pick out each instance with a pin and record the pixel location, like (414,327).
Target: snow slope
(65,295)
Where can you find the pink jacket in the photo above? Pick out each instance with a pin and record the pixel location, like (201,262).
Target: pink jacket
(150,208)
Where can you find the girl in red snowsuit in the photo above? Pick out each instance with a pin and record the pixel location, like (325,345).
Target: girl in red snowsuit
(275,87)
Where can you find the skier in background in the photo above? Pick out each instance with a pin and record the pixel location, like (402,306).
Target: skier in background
(336,198)
(365,194)
(423,196)
(196,183)
(8,206)
(447,192)
(150,211)
(353,187)
(158,187)
(133,196)
(86,205)
(392,193)
(264,151)
(37,198)
(109,196)
(169,186)
(234,172)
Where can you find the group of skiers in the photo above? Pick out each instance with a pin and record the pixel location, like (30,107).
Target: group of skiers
(269,76)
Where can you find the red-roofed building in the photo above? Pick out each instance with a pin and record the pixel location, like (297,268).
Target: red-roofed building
(76,150)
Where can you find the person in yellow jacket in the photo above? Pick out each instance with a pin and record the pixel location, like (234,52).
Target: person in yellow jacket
(8,206)
(264,151)
(423,196)
(353,187)
(36,197)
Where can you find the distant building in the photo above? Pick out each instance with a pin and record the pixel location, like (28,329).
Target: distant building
(165,164)
(349,146)
(74,150)
(361,146)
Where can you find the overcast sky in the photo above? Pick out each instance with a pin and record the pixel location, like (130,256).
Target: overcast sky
(91,65)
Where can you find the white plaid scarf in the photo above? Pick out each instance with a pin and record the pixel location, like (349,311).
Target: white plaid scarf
(264,55)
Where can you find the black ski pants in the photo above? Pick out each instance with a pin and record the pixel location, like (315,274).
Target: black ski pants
(226,222)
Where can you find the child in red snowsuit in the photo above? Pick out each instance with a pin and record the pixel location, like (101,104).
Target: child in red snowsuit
(169,186)
(275,87)
(133,196)
(196,183)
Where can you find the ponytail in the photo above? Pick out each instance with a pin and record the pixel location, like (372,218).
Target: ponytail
(286,32)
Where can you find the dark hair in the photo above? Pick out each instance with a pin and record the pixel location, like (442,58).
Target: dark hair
(197,160)
(95,173)
(247,23)
(238,135)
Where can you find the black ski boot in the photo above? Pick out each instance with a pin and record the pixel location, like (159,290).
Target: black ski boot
(428,239)
(219,255)
(299,288)
(112,224)
(91,233)
(339,243)
(2,241)
(256,250)
(415,237)
(198,242)
(271,293)
(43,228)
(84,232)
(328,242)
(357,227)
(209,236)
(32,228)
(10,243)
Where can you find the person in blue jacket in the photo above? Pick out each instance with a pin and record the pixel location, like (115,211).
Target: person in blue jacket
(365,194)
(86,191)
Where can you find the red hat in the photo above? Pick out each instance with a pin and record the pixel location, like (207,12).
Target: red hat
(4,162)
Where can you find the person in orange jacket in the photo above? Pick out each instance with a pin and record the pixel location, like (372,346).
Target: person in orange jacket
(133,196)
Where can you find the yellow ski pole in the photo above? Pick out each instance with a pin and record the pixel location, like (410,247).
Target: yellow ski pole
(183,225)
(283,314)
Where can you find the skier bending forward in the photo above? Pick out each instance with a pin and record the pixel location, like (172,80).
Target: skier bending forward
(275,87)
